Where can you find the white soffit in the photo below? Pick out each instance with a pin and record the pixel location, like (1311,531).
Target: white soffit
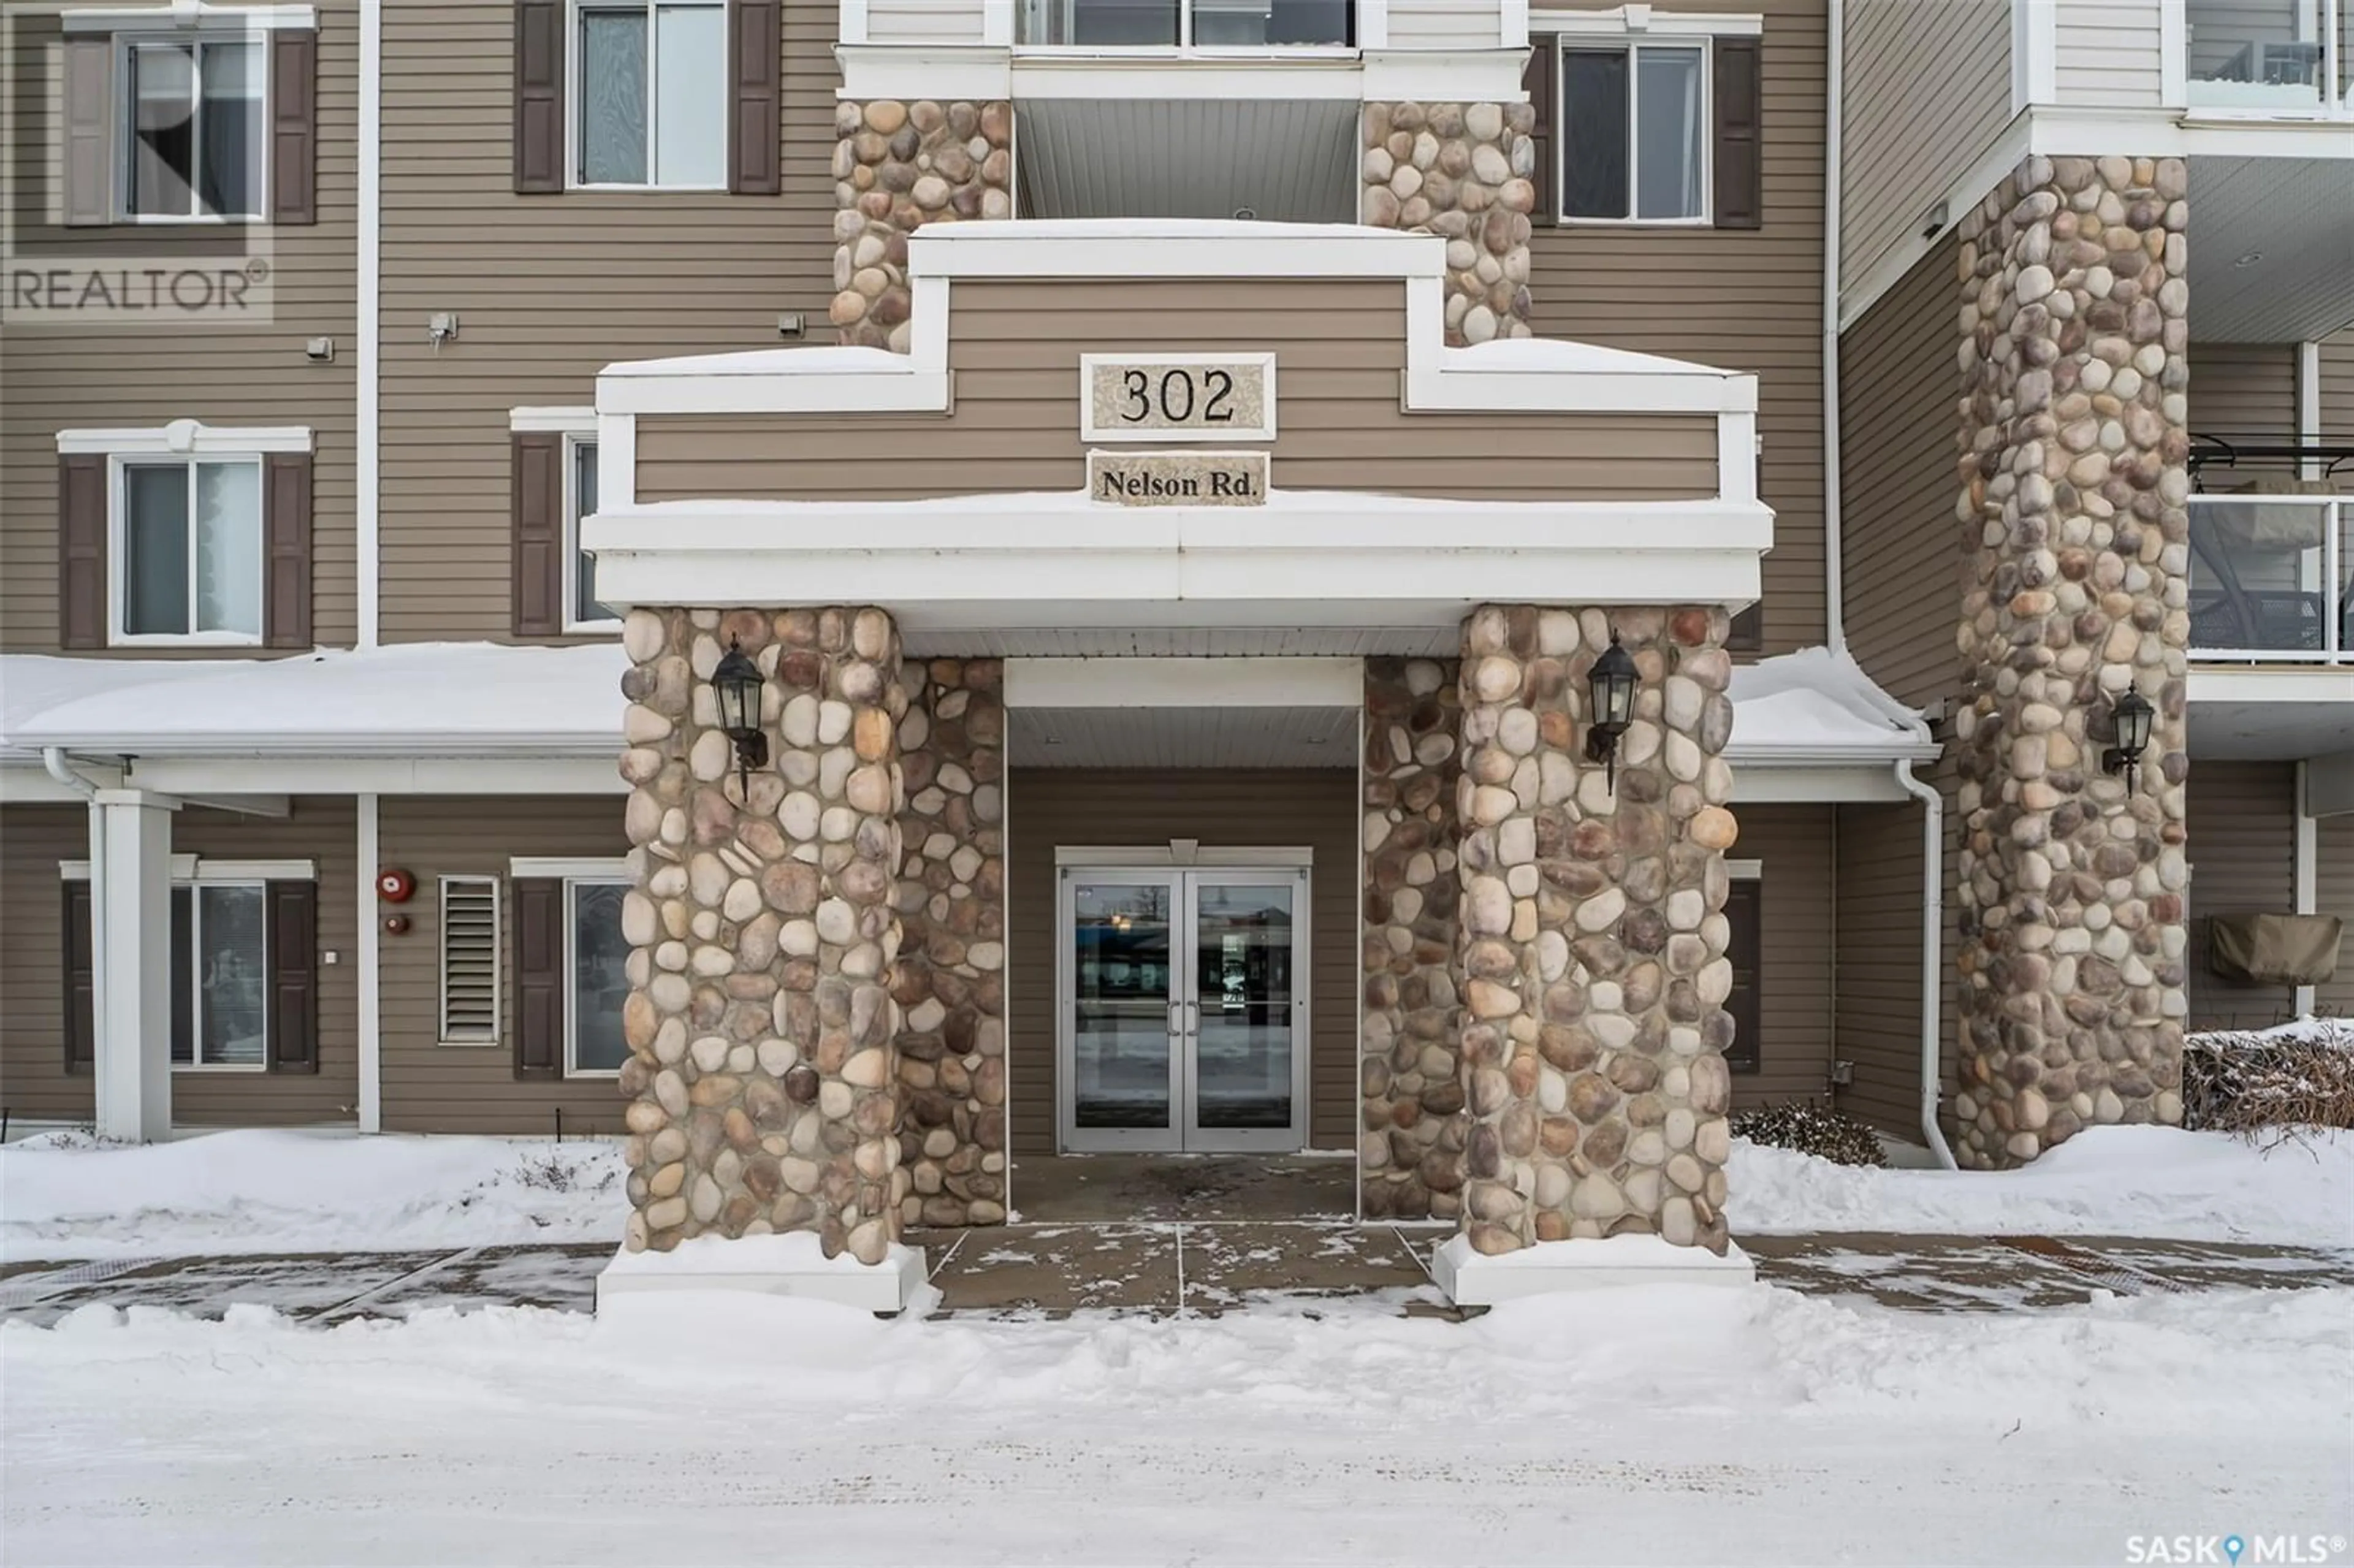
(1286,160)
(2272,249)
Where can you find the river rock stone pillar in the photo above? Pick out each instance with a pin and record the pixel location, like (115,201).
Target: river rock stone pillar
(1410,1149)
(762,1076)
(897,167)
(1466,172)
(950,982)
(1590,952)
(2075,326)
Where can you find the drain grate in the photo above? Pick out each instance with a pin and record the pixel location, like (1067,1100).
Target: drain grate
(28,1289)
(2123,1278)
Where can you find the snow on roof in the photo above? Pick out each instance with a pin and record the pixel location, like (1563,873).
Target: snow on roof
(819,359)
(1046,229)
(467,695)
(473,697)
(1559,357)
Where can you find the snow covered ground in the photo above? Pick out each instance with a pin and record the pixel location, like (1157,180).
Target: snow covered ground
(1657,1425)
(255,1192)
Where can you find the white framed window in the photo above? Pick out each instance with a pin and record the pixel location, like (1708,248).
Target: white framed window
(649,94)
(582,610)
(470,966)
(184,550)
(192,127)
(1634,130)
(597,979)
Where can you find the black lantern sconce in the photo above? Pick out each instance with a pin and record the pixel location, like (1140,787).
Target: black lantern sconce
(1610,685)
(2131,714)
(737,684)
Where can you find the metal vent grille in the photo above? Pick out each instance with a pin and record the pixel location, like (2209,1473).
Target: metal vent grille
(469,959)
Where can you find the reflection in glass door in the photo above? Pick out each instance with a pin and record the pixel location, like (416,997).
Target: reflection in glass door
(1183,1010)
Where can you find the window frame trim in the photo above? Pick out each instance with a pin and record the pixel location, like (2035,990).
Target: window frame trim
(195,1064)
(575,622)
(576,100)
(124,42)
(1632,41)
(497,1036)
(118,519)
(573,883)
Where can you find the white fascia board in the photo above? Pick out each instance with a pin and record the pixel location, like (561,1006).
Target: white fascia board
(1620,21)
(1146,247)
(1763,783)
(567,421)
(567,774)
(2234,685)
(1158,682)
(1296,76)
(977,73)
(2061,132)
(185,438)
(137,19)
(28,783)
(203,869)
(912,391)
(1444,76)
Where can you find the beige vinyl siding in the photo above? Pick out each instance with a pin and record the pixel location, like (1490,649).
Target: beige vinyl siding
(2244,392)
(1898,390)
(1446,24)
(1928,90)
(1340,349)
(1878,1000)
(1747,299)
(550,289)
(432,1088)
(145,376)
(2106,54)
(2337,379)
(924,21)
(1221,807)
(1794,965)
(2242,847)
(2334,894)
(34,839)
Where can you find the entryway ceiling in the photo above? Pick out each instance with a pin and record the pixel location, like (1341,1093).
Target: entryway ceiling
(1181,738)
(1286,161)
(2272,249)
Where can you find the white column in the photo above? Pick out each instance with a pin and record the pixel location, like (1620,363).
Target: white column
(370,955)
(131,916)
(2308,866)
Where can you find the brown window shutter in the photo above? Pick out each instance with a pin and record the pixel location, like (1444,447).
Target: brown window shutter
(1740,140)
(756,86)
(538,502)
(539,96)
(80,944)
(539,977)
(1545,59)
(1743,914)
(286,550)
(81,551)
(293,126)
(88,132)
(292,932)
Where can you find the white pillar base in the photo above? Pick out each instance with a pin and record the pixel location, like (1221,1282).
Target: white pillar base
(790,1264)
(1470,1278)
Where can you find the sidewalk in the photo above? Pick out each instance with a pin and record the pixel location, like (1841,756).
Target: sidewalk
(1162,1268)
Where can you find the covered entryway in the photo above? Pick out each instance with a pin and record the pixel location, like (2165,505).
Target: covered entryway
(1182,1008)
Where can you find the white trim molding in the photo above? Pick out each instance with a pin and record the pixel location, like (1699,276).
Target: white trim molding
(367,511)
(564,422)
(203,871)
(1180,852)
(186,437)
(549,772)
(583,868)
(1745,870)
(2034,52)
(1636,20)
(201,14)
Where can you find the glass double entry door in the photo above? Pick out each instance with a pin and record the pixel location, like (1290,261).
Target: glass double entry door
(1181,1003)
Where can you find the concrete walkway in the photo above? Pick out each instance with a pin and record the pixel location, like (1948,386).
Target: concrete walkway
(1168,1268)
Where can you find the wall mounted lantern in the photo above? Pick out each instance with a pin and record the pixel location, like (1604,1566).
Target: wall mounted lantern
(1611,685)
(2132,716)
(737,684)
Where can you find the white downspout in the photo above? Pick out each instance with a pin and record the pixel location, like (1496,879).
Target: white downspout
(53,759)
(1933,929)
(1834,572)
(368,374)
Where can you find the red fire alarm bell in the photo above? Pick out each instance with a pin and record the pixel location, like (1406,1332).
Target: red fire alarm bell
(395,886)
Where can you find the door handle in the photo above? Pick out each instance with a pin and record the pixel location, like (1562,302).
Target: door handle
(1176,1020)
(1194,1017)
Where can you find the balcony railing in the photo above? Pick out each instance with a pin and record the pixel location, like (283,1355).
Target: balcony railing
(1207,25)
(2279,56)
(2272,578)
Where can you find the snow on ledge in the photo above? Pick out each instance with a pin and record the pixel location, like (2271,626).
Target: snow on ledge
(1473,1279)
(793,1264)
(791,1252)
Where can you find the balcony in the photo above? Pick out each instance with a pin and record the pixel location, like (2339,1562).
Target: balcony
(1188,26)
(2270,57)
(2272,576)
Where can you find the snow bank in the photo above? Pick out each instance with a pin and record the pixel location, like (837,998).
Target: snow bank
(2109,1180)
(2306,1031)
(267,1191)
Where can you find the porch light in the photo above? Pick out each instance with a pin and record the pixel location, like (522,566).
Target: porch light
(737,684)
(1611,686)
(2132,716)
